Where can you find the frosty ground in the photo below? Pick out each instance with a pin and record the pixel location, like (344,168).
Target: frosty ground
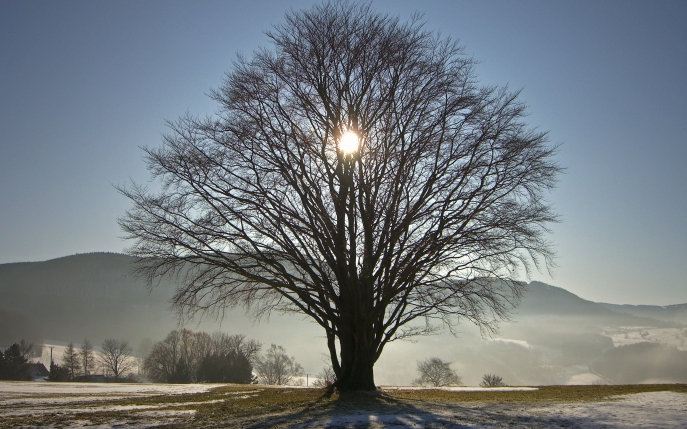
(95,405)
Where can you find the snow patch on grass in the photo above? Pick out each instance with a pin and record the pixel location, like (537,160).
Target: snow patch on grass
(33,404)
(660,410)
(51,388)
(461,388)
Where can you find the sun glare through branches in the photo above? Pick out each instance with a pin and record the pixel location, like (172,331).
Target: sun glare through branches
(349,142)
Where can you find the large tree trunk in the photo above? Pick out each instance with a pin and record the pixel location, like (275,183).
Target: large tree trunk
(357,375)
(357,361)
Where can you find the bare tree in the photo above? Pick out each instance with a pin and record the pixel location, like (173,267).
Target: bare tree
(276,367)
(325,378)
(29,349)
(437,373)
(236,344)
(162,364)
(171,360)
(492,380)
(355,173)
(71,361)
(87,358)
(199,344)
(116,357)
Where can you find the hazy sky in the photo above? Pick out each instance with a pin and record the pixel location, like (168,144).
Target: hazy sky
(84,84)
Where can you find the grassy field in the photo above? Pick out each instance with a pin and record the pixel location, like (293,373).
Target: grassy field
(260,406)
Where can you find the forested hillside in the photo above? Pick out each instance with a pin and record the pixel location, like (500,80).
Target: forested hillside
(71,298)
(555,336)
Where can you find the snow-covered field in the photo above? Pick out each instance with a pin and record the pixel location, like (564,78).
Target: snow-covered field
(99,405)
(645,410)
(626,335)
(46,404)
(46,389)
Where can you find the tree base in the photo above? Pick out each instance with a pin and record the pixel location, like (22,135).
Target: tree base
(355,385)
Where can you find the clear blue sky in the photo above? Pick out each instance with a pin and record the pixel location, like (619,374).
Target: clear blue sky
(83,84)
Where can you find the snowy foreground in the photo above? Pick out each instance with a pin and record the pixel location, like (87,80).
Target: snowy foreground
(644,410)
(99,405)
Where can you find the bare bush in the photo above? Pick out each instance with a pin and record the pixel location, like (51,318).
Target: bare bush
(492,380)
(325,378)
(276,367)
(435,372)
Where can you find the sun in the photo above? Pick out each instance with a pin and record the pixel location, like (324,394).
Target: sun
(348,143)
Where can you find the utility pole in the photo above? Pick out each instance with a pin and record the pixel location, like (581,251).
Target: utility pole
(51,354)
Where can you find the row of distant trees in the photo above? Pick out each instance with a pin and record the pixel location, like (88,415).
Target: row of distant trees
(185,356)
(437,373)
(115,360)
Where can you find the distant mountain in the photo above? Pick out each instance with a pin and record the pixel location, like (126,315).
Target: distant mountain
(95,296)
(89,295)
(591,341)
(668,313)
(541,299)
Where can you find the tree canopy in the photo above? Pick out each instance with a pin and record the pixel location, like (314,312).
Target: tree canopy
(355,172)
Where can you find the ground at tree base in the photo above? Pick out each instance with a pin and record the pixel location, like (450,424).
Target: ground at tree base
(96,405)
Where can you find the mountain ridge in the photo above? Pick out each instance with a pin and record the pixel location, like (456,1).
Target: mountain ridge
(554,331)
(96,295)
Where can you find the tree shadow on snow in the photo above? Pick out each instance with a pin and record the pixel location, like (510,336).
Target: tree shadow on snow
(381,410)
(362,410)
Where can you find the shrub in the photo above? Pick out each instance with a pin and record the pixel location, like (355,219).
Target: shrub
(437,373)
(492,380)
(325,378)
(276,367)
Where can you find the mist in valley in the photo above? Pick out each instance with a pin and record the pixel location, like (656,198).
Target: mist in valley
(555,337)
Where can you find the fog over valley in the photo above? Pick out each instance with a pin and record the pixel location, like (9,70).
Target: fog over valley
(555,337)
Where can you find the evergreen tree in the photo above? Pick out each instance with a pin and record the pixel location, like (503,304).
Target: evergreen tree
(58,373)
(14,365)
(225,368)
(71,361)
(87,358)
